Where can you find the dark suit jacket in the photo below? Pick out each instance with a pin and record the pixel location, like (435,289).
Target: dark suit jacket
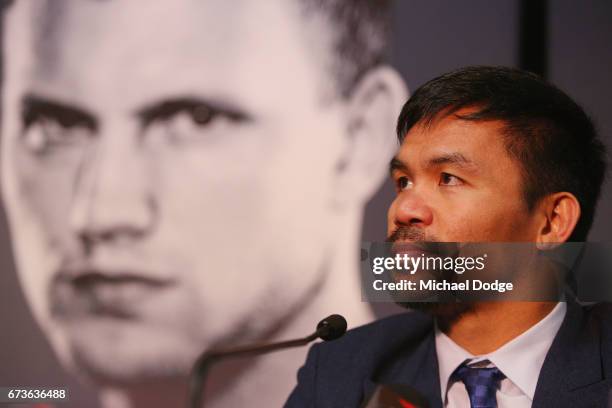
(577,371)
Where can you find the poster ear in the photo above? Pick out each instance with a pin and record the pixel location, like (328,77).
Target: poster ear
(371,142)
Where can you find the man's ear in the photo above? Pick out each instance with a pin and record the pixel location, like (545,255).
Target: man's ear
(562,212)
(373,108)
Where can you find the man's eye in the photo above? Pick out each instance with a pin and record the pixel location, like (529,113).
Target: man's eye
(403,183)
(201,115)
(185,120)
(48,125)
(450,180)
(188,123)
(46,133)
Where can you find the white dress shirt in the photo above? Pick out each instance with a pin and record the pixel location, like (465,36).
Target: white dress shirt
(520,360)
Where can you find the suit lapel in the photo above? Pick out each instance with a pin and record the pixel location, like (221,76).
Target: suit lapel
(572,372)
(415,365)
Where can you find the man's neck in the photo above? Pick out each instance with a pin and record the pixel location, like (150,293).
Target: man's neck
(490,325)
(171,393)
(267,380)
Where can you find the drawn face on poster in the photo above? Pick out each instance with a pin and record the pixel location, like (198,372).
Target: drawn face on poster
(173,169)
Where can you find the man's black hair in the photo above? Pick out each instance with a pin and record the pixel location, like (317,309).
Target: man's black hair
(548,133)
(360,29)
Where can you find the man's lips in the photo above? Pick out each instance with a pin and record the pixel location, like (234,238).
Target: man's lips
(409,248)
(94,290)
(117,266)
(425,248)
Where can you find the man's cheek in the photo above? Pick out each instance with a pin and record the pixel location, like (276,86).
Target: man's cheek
(47,193)
(391,217)
(464,228)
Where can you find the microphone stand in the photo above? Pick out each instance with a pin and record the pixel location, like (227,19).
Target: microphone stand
(330,328)
(206,360)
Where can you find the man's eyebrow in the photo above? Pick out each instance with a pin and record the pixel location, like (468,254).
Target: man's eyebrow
(35,106)
(454,158)
(397,164)
(164,109)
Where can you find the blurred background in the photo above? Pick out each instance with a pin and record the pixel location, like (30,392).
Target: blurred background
(566,41)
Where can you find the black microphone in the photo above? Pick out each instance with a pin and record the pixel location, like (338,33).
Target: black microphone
(330,328)
(395,396)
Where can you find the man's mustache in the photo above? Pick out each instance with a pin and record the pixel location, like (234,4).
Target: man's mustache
(427,243)
(405,233)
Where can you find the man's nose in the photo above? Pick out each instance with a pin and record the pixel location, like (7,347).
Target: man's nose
(411,209)
(113,198)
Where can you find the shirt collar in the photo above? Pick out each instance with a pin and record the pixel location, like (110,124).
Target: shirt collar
(520,359)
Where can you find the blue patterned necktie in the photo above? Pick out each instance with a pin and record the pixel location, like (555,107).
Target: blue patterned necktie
(481,384)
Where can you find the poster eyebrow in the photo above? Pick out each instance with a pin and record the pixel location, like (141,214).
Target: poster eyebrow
(34,106)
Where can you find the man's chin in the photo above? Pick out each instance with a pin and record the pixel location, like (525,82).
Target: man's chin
(133,354)
(446,311)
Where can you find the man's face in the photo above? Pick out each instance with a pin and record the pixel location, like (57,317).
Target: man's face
(166,174)
(457,184)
